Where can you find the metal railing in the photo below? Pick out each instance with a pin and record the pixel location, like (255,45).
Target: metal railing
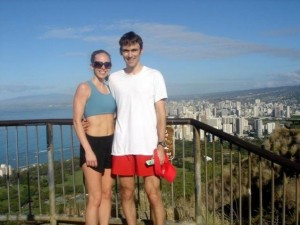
(221,179)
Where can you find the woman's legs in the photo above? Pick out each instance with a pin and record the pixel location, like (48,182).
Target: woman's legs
(105,207)
(93,182)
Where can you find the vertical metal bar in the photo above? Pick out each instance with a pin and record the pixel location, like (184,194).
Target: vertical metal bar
(283,196)
(83,182)
(206,178)
(197,162)
(249,188)
(231,185)
(138,206)
(240,185)
(29,216)
(73,169)
(222,181)
(183,163)
(173,198)
(260,194)
(272,195)
(62,168)
(117,197)
(214,177)
(51,181)
(7,173)
(297,199)
(172,184)
(38,168)
(18,170)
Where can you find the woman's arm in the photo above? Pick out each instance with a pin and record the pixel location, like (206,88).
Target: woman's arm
(80,98)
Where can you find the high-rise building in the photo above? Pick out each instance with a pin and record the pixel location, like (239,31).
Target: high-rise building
(255,111)
(288,112)
(270,127)
(227,128)
(277,112)
(258,125)
(214,112)
(240,126)
(207,112)
(5,170)
(238,105)
(214,122)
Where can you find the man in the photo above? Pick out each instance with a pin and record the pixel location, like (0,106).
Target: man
(140,94)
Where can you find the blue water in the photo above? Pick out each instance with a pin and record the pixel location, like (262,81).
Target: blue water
(35,113)
(23,146)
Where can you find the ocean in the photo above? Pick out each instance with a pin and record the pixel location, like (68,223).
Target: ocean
(35,113)
(23,146)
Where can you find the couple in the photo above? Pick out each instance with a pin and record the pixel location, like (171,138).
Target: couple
(126,122)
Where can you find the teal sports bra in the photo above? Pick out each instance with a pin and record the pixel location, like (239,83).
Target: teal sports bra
(98,103)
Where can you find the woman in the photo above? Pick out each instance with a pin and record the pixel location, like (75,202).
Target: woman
(94,102)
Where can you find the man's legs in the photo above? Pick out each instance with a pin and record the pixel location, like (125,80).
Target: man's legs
(152,188)
(136,165)
(128,198)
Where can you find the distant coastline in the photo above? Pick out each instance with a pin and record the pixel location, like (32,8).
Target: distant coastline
(60,105)
(261,93)
(38,101)
(66,100)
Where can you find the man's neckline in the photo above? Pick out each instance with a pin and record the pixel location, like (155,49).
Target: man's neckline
(134,73)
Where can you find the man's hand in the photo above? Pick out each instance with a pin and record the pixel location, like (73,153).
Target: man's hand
(161,154)
(85,124)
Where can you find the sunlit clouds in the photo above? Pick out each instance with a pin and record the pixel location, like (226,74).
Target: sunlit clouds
(171,40)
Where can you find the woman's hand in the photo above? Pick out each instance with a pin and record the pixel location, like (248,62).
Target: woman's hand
(90,158)
(85,124)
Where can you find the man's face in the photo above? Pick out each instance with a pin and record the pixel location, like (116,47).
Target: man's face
(131,54)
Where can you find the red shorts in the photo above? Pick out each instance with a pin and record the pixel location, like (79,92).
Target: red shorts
(129,165)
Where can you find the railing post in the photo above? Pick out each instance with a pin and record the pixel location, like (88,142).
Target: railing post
(51,182)
(197,161)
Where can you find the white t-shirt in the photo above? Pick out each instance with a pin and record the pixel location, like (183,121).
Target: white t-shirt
(135,95)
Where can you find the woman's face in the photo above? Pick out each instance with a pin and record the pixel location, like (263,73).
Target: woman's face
(101,65)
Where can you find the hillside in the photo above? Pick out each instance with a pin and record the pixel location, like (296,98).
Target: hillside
(38,101)
(288,93)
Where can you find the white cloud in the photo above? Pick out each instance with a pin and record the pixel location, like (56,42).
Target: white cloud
(172,41)
(75,54)
(283,32)
(19,88)
(67,33)
(290,78)
(225,84)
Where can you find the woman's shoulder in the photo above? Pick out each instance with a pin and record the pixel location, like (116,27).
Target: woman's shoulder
(84,86)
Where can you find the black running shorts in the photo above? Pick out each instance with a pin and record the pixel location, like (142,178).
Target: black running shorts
(101,146)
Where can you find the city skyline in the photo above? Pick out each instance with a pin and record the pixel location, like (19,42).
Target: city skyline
(200,47)
(60,106)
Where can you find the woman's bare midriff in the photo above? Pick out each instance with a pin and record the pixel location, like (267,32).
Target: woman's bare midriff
(101,125)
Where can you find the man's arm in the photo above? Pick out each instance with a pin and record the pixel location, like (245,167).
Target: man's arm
(160,107)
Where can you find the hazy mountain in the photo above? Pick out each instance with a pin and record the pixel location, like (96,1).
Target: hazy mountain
(278,93)
(290,93)
(38,101)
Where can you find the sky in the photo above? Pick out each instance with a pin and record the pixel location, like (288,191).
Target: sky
(200,46)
